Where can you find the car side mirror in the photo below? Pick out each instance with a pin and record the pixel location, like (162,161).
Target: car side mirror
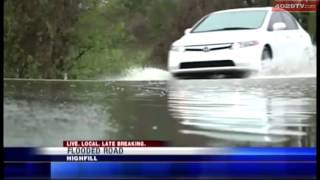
(279,26)
(187,31)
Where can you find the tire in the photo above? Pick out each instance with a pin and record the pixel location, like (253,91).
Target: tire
(266,58)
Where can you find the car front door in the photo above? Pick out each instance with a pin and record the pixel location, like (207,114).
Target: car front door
(278,38)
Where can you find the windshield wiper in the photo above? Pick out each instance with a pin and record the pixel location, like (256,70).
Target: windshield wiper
(233,28)
(229,28)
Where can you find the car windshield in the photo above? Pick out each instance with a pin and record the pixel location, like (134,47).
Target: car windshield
(235,20)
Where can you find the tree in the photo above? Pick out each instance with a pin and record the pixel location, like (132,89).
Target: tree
(37,36)
(86,39)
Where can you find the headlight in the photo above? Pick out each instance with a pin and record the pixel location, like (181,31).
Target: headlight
(244,44)
(177,48)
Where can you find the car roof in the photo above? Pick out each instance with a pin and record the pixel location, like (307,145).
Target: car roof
(245,9)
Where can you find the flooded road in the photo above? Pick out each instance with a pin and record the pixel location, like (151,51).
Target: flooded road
(221,112)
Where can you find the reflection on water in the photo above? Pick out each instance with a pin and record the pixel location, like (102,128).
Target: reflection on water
(40,113)
(248,112)
(259,112)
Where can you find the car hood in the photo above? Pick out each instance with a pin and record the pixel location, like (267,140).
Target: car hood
(217,37)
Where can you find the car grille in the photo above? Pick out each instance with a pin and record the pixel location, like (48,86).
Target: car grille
(207,48)
(207,64)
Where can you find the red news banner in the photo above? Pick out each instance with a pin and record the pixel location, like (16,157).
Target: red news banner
(296,5)
(112,143)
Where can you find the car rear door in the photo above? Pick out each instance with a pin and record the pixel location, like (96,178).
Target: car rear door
(294,37)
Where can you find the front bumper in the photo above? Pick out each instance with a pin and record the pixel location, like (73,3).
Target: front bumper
(244,59)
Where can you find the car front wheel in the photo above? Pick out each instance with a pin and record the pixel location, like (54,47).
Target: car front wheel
(266,58)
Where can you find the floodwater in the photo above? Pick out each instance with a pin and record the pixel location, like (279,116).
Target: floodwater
(274,111)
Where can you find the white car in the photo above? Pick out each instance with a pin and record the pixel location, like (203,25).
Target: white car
(238,40)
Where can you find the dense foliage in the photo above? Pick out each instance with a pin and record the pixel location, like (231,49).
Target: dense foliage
(88,38)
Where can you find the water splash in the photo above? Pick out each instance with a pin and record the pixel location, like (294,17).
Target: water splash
(291,68)
(278,69)
(145,74)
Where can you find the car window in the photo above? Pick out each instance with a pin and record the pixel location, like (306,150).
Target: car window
(235,20)
(289,21)
(275,18)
